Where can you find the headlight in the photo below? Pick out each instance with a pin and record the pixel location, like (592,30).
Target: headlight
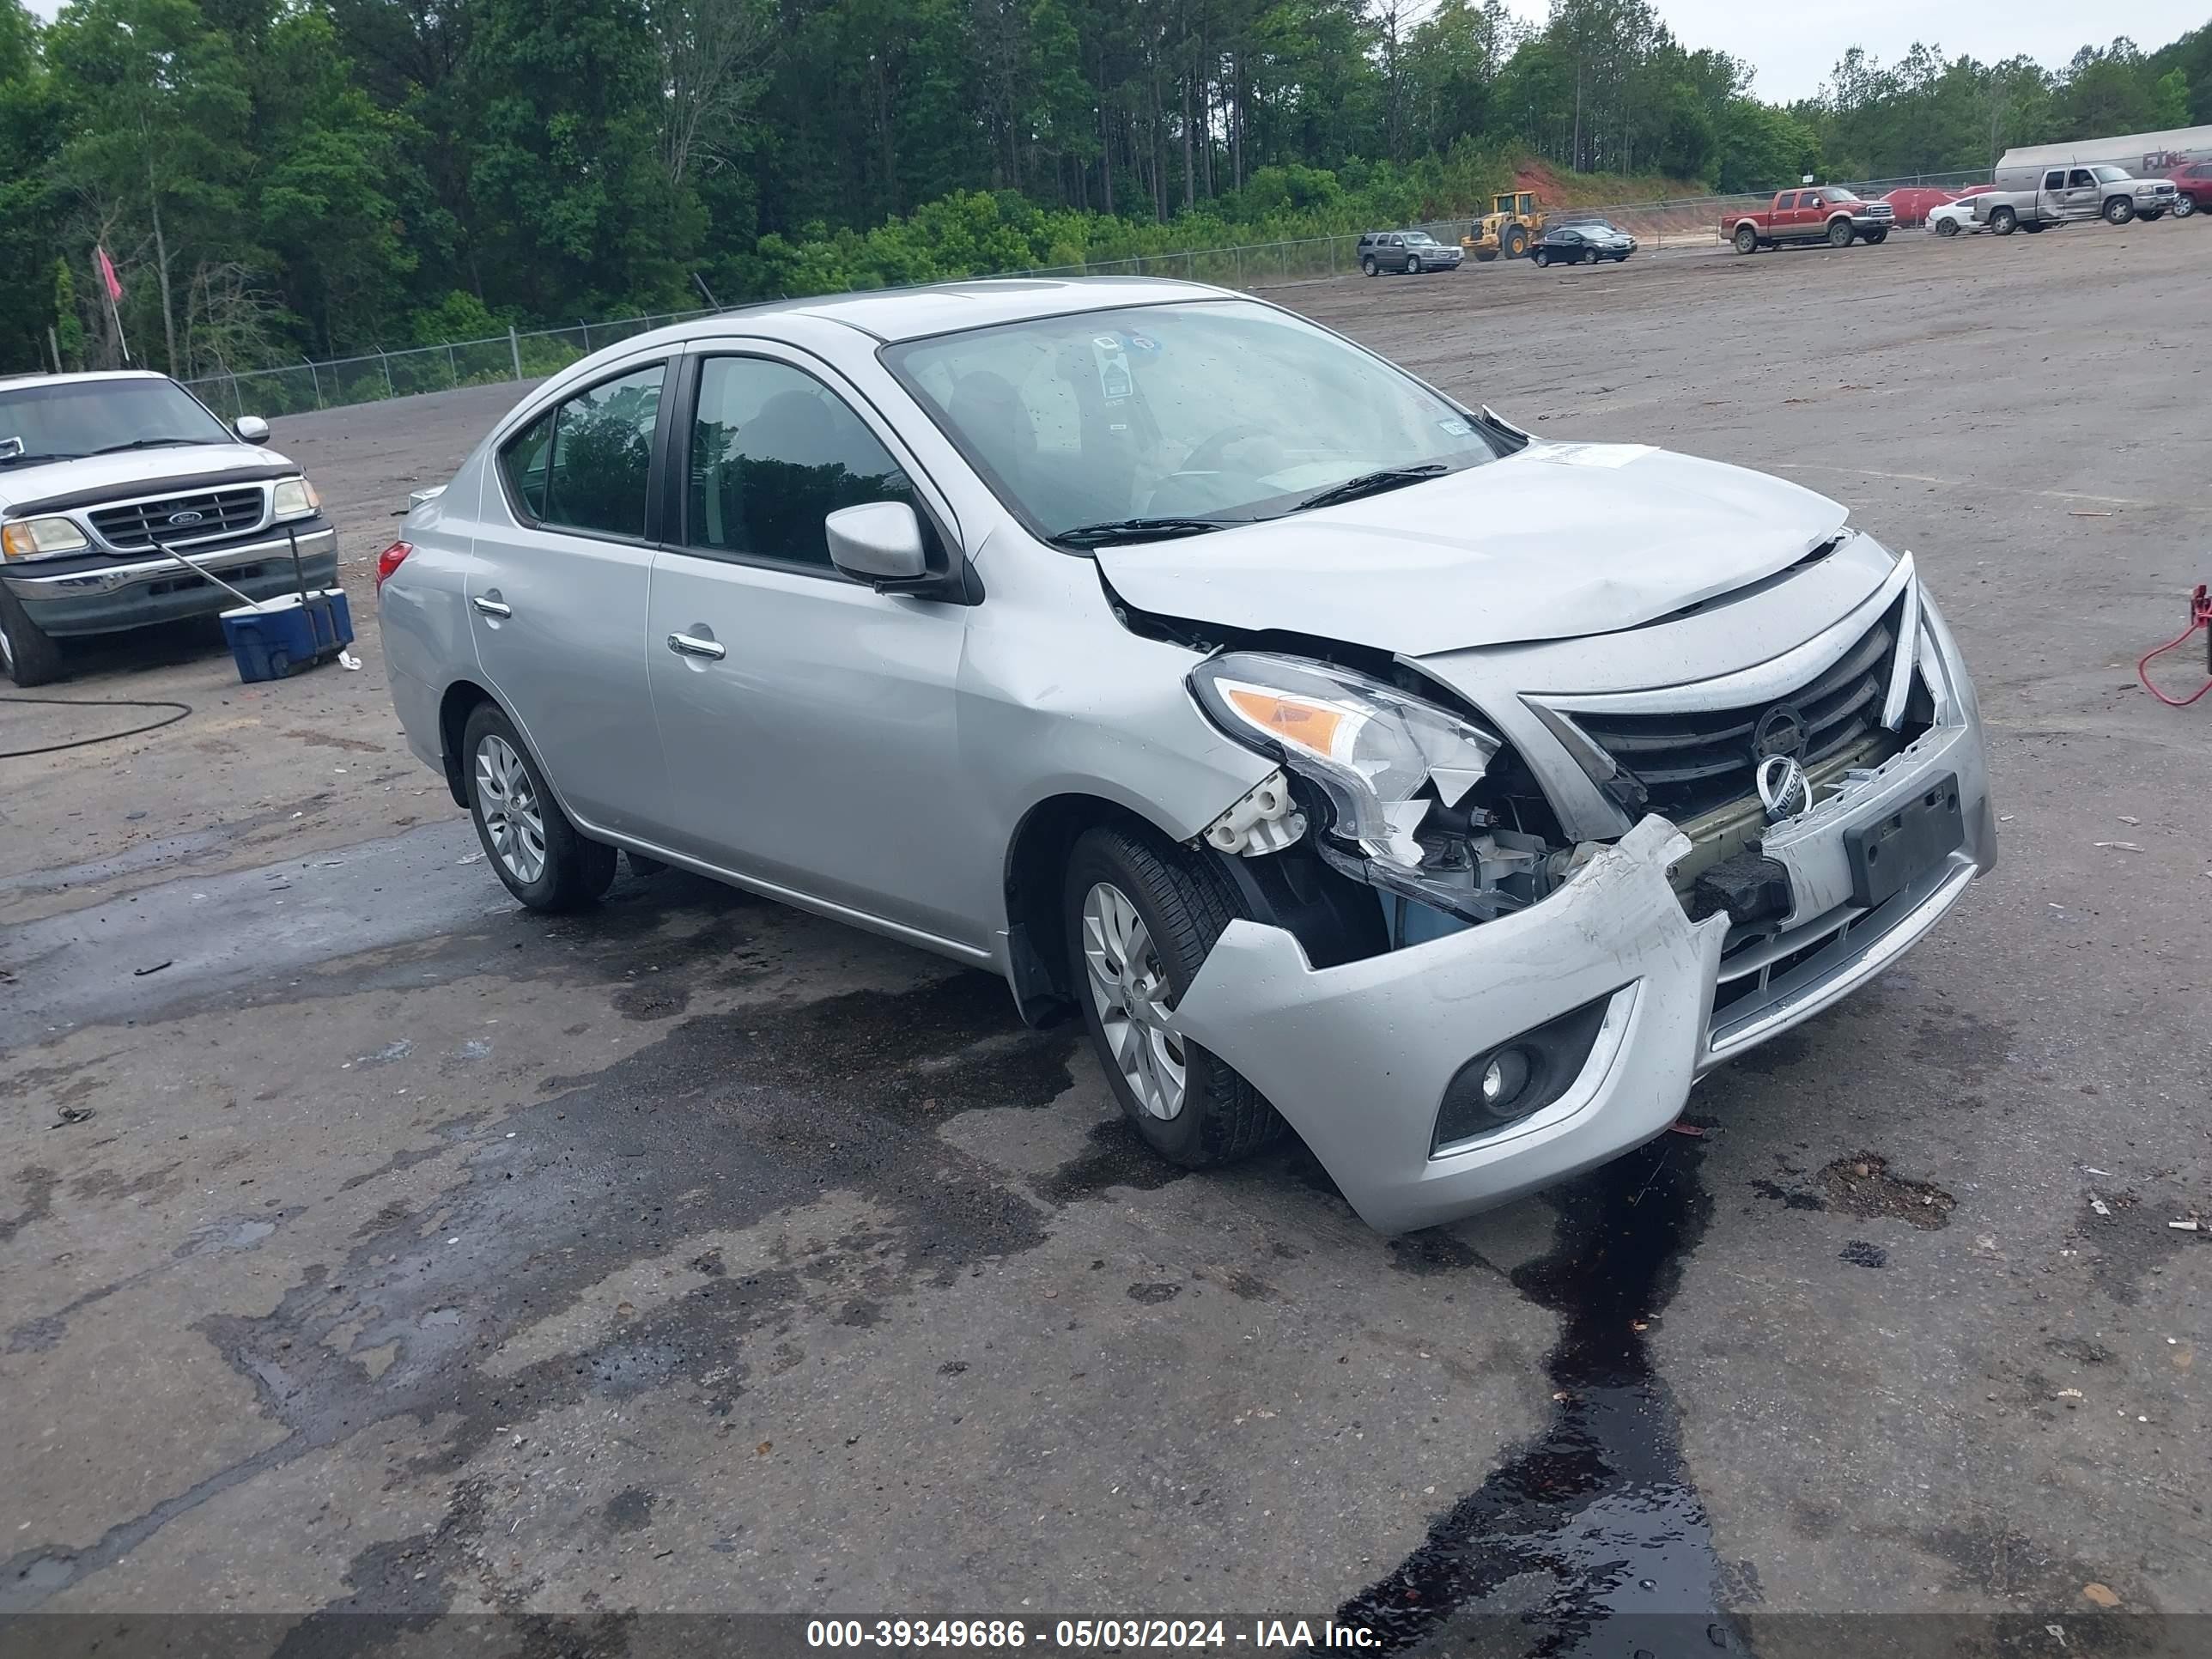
(1370,748)
(40,538)
(293,498)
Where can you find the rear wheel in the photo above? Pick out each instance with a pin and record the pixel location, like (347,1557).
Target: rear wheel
(1140,916)
(1747,239)
(1839,233)
(2185,207)
(1485,256)
(1515,242)
(2004,221)
(1368,266)
(1947,226)
(29,655)
(531,845)
(1543,257)
(2119,210)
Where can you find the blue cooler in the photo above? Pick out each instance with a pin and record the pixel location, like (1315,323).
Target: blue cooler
(278,637)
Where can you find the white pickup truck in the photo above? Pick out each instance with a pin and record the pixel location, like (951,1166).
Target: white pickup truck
(2029,199)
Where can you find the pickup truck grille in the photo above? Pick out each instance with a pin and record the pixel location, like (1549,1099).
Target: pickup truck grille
(136,528)
(1690,763)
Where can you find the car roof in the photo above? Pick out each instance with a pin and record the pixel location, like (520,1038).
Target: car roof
(8,380)
(912,314)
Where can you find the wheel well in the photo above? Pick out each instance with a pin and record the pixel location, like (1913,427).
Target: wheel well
(460,700)
(1036,939)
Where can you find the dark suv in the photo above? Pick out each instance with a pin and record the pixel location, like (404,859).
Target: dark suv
(1412,251)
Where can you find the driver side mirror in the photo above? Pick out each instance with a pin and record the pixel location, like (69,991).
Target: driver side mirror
(252,428)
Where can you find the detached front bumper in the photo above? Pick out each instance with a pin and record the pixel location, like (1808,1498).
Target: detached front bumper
(1358,1057)
(112,594)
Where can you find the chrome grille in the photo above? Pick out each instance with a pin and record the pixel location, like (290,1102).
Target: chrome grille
(137,525)
(1690,763)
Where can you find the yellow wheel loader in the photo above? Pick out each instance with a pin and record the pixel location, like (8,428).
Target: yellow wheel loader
(1508,229)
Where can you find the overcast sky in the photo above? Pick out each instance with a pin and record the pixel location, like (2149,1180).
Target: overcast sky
(1795,43)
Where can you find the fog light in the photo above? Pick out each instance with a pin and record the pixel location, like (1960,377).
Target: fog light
(1516,1079)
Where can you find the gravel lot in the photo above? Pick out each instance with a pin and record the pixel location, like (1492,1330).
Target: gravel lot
(421,1256)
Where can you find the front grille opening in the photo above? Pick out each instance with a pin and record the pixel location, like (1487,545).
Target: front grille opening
(135,528)
(1690,763)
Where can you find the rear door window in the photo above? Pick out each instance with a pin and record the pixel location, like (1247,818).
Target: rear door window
(584,464)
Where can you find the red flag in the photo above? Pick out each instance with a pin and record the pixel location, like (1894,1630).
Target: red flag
(107,274)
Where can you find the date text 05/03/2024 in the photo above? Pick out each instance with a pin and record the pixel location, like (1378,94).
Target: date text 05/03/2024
(998,1635)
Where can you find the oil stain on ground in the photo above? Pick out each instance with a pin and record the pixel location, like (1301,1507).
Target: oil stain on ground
(1591,1539)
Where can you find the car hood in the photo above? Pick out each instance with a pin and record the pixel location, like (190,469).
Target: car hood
(124,471)
(1558,541)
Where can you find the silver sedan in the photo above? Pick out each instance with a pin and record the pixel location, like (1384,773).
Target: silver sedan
(1347,758)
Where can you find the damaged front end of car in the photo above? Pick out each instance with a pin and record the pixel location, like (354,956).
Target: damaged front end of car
(1485,959)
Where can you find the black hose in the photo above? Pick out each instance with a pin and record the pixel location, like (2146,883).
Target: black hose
(182,709)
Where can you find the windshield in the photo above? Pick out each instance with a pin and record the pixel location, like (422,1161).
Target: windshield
(1221,410)
(63,420)
(1420,239)
(2109,175)
(1834,194)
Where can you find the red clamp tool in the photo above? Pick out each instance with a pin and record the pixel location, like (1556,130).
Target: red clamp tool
(2200,616)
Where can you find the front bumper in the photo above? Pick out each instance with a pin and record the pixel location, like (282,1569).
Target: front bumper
(1863,221)
(108,595)
(1358,1057)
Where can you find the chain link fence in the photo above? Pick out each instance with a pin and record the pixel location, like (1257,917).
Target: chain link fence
(1688,222)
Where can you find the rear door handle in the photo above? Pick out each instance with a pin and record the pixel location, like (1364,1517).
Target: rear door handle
(691,645)
(491,607)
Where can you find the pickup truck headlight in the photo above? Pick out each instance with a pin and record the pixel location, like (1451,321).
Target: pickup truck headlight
(293,498)
(1371,749)
(40,538)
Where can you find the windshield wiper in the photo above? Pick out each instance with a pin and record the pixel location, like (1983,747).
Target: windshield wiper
(1374,484)
(146,443)
(1137,530)
(20,457)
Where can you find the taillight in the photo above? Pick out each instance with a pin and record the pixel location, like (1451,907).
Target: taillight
(391,559)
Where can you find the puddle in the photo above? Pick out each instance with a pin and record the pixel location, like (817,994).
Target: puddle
(1589,1539)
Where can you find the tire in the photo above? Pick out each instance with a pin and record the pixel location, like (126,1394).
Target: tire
(1876,238)
(2004,221)
(1367,265)
(555,869)
(1840,234)
(1182,904)
(2119,210)
(1588,256)
(1947,226)
(1515,241)
(2185,207)
(29,654)
(2035,228)
(1620,258)
(2151,215)
(1485,256)
(1412,265)
(1542,257)
(641,865)
(1747,239)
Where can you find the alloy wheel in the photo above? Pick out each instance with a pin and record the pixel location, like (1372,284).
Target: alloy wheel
(1129,989)
(511,817)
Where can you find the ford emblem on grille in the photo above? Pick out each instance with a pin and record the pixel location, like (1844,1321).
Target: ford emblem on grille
(1780,731)
(185,518)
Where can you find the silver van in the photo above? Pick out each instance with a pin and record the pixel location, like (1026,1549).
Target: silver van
(1340,754)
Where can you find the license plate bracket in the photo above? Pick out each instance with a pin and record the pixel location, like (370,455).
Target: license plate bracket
(1889,852)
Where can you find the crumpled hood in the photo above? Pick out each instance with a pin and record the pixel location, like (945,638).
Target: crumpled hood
(1555,542)
(129,468)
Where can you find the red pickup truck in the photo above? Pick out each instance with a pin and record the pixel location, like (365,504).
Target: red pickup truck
(1819,213)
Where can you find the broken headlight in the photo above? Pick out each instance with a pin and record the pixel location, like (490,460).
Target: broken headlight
(1372,751)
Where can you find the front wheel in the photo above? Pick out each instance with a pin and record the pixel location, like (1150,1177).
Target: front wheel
(2185,207)
(531,845)
(1747,239)
(29,654)
(2151,215)
(1140,916)
(2119,210)
(1876,238)
(1839,233)
(1620,258)
(1413,265)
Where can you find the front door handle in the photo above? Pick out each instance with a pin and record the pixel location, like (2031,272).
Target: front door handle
(691,645)
(491,607)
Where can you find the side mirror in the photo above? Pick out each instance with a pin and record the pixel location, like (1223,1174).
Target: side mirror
(253,429)
(880,544)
